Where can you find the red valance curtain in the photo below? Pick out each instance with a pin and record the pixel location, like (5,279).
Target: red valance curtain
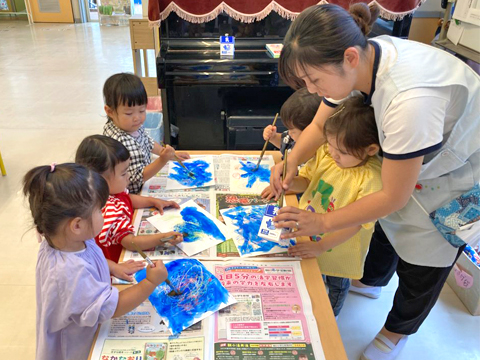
(200,11)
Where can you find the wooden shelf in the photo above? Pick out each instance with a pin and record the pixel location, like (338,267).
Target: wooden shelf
(459,49)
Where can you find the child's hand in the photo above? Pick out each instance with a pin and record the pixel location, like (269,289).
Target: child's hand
(162,204)
(167,153)
(158,274)
(306,250)
(127,269)
(267,193)
(183,155)
(178,238)
(269,132)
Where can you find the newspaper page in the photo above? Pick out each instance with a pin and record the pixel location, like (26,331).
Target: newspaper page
(273,319)
(141,334)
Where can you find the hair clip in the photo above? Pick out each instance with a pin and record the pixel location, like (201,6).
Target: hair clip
(52,167)
(337,112)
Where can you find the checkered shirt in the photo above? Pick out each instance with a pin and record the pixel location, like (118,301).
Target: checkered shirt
(140,149)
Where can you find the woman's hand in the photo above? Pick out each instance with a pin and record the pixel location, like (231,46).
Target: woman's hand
(307,250)
(125,270)
(276,176)
(306,222)
(162,204)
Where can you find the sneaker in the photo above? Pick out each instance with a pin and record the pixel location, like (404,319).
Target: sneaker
(383,349)
(372,292)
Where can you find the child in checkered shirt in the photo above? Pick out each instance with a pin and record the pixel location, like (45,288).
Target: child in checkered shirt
(126,105)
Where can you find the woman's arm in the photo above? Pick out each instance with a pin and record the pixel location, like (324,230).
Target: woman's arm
(398,177)
(310,249)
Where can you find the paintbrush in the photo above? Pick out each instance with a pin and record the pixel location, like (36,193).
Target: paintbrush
(150,262)
(264,146)
(177,159)
(282,195)
(164,240)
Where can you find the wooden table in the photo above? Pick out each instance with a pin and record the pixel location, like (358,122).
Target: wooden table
(327,326)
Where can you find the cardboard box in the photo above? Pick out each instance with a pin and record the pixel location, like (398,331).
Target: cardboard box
(471,296)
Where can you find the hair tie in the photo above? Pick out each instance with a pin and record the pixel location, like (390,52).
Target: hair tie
(52,167)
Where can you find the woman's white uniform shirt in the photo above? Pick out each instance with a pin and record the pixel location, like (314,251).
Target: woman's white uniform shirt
(427,103)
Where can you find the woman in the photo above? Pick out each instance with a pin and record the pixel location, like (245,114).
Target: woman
(426,105)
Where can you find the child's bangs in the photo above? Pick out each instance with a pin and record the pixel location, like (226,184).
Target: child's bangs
(133,96)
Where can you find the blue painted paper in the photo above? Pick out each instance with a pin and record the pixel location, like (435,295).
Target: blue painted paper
(262,174)
(247,221)
(202,294)
(199,168)
(197,225)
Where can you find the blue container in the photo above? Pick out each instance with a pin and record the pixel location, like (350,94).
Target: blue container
(154,126)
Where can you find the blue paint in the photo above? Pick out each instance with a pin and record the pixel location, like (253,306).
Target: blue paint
(247,221)
(262,174)
(197,167)
(197,225)
(201,293)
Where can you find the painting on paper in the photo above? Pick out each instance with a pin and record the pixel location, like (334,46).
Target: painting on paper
(200,174)
(201,230)
(202,294)
(246,178)
(244,223)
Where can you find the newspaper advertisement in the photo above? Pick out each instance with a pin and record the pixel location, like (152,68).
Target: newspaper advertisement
(141,334)
(273,317)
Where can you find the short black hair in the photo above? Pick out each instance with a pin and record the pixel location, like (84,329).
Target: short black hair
(300,109)
(124,89)
(101,153)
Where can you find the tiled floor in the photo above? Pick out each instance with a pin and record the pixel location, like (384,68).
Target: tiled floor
(51,79)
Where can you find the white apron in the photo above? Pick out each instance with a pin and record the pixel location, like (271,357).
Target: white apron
(453,170)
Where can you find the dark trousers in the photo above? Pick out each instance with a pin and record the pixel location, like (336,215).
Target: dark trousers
(418,286)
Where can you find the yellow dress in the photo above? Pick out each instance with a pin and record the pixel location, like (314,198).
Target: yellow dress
(332,188)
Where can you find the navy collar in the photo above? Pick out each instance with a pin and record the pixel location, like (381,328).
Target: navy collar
(378,54)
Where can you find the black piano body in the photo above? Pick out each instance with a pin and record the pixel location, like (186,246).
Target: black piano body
(220,103)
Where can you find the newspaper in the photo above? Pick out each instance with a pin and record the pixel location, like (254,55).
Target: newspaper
(273,317)
(141,331)
(272,320)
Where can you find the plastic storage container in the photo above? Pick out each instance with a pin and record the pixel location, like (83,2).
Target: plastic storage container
(154,126)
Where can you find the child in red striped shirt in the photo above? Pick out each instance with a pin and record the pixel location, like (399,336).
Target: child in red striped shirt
(111,159)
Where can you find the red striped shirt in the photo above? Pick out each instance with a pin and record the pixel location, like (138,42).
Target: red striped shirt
(117,213)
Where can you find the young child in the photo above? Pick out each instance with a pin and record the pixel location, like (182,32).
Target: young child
(342,171)
(73,289)
(125,104)
(296,113)
(111,159)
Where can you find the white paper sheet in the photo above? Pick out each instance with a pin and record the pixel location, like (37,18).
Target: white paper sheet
(202,169)
(203,231)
